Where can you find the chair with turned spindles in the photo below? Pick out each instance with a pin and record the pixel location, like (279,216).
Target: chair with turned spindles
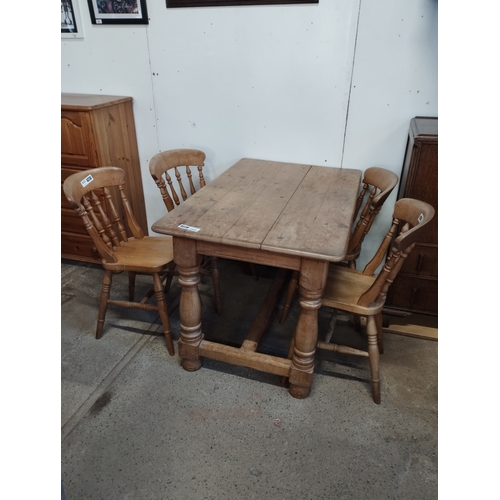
(363,293)
(171,171)
(98,196)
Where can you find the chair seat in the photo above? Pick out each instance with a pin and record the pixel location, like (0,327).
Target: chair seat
(149,254)
(344,288)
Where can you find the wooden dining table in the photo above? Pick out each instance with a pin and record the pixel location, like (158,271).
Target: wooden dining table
(291,216)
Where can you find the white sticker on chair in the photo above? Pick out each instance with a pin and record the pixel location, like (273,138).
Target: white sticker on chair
(189,228)
(420,218)
(87,180)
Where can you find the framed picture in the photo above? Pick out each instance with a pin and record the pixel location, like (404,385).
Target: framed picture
(71,24)
(222,3)
(118,11)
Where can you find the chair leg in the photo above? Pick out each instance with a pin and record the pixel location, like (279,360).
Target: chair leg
(284,378)
(373,356)
(131,285)
(380,333)
(331,326)
(103,302)
(292,286)
(214,269)
(170,277)
(162,309)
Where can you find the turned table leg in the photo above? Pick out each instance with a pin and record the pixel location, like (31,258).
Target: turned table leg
(312,282)
(188,263)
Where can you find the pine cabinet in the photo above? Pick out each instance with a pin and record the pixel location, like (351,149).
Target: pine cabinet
(97,131)
(415,289)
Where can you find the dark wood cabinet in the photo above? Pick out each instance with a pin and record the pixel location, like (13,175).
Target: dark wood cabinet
(96,131)
(416,287)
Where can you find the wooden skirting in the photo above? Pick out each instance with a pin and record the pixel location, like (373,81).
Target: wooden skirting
(414,325)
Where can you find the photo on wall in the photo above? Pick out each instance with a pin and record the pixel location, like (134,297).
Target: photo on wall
(118,11)
(71,25)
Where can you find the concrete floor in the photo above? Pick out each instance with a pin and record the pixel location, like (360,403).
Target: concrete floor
(135,425)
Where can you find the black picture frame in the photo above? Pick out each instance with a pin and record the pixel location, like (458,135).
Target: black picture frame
(113,12)
(71,24)
(171,4)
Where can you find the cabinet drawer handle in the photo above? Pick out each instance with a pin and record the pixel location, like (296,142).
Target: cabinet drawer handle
(420,262)
(413,295)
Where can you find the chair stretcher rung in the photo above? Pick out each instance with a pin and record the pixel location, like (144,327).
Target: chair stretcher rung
(133,305)
(341,348)
(265,312)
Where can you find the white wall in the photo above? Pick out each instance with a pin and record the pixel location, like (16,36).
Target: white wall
(334,83)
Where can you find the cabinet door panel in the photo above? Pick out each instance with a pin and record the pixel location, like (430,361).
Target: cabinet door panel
(76,140)
(66,171)
(422,182)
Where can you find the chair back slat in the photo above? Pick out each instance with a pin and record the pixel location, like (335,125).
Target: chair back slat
(95,230)
(95,220)
(201,176)
(369,202)
(364,223)
(192,189)
(170,200)
(360,199)
(107,227)
(181,185)
(115,219)
(129,214)
(378,184)
(377,293)
(411,215)
(99,198)
(381,253)
(180,161)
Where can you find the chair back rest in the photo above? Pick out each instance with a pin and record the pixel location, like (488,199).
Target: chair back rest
(410,216)
(98,197)
(163,165)
(378,184)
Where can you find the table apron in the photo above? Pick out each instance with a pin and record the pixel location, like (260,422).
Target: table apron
(253,255)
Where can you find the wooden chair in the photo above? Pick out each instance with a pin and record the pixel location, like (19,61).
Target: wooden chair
(363,293)
(377,185)
(177,163)
(99,198)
